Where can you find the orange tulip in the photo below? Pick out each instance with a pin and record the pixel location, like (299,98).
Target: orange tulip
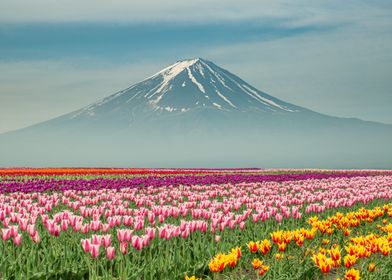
(257,263)
(265,246)
(279,257)
(372,267)
(335,253)
(282,246)
(352,274)
(349,260)
(253,247)
(263,270)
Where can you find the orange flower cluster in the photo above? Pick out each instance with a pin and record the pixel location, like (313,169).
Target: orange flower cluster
(283,238)
(258,265)
(365,246)
(343,222)
(220,261)
(263,246)
(327,263)
(326,259)
(352,274)
(322,262)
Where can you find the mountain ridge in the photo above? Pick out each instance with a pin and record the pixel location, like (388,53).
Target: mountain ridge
(195,113)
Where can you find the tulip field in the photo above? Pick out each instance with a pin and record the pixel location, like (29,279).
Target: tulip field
(194,224)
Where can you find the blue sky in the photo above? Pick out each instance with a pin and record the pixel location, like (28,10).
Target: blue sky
(329,56)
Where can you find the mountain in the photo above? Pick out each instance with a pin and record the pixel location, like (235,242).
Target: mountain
(187,88)
(196,113)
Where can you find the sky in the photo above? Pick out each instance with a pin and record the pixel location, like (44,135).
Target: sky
(333,56)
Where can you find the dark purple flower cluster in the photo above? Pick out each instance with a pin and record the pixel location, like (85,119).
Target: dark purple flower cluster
(52,184)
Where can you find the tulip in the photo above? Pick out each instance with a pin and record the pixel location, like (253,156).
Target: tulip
(352,274)
(36,238)
(257,263)
(86,245)
(265,246)
(94,251)
(123,247)
(372,267)
(107,240)
(5,234)
(253,247)
(349,260)
(18,240)
(263,270)
(110,253)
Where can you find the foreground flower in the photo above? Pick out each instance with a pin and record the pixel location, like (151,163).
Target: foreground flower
(265,246)
(322,262)
(86,245)
(216,264)
(253,247)
(279,256)
(191,277)
(110,253)
(352,274)
(263,270)
(220,261)
(349,260)
(257,263)
(282,246)
(18,240)
(372,267)
(335,253)
(94,251)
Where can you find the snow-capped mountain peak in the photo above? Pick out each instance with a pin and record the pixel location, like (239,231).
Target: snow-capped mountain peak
(185,86)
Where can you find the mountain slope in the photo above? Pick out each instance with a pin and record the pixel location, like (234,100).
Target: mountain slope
(187,85)
(185,90)
(194,113)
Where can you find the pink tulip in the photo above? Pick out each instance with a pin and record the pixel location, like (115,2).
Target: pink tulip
(64,225)
(77,226)
(85,229)
(86,245)
(110,253)
(105,228)
(278,217)
(14,231)
(36,238)
(5,234)
(123,247)
(94,250)
(136,242)
(31,230)
(6,222)
(18,240)
(23,224)
(96,239)
(107,240)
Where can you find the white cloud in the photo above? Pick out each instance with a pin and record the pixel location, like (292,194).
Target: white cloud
(134,11)
(201,11)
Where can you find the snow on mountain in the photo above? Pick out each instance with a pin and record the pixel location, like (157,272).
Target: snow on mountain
(185,86)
